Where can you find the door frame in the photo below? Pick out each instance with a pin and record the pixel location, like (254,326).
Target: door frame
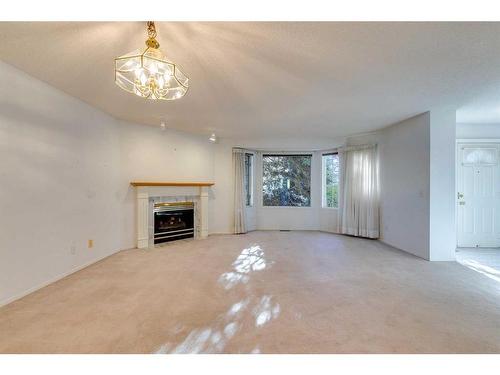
(457,143)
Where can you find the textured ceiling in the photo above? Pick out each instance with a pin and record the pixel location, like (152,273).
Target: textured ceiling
(274,79)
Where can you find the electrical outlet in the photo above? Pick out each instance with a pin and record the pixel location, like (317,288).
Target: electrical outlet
(90,244)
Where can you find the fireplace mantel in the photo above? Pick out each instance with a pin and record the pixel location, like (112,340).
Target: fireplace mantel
(155,183)
(146,190)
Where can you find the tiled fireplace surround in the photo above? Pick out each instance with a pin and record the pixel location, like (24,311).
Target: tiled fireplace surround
(149,193)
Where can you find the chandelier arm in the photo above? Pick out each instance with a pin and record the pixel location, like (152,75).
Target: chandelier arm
(152,42)
(151,29)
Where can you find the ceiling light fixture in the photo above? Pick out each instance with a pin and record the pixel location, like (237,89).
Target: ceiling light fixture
(147,73)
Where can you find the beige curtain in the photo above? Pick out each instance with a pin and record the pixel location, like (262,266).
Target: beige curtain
(359,191)
(240,225)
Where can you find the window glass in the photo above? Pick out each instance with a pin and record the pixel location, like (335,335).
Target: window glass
(331,180)
(286,180)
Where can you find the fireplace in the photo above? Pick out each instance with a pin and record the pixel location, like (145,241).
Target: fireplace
(150,193)
(173,221)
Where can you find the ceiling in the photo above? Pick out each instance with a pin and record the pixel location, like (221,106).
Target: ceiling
(274,79)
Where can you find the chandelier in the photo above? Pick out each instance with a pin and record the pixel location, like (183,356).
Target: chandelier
(147,73)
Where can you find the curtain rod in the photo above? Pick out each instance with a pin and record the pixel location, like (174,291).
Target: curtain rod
(334,149)
(278,151)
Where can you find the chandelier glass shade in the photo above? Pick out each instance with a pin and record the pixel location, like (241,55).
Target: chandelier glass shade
(147,73)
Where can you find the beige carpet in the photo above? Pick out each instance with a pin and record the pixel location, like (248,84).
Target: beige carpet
(265,292)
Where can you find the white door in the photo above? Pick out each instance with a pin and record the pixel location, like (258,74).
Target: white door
(478,195)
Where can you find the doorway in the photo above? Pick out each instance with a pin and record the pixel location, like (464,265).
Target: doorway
(478,194)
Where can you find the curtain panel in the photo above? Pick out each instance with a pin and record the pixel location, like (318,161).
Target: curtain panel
(240,222)
(359,191)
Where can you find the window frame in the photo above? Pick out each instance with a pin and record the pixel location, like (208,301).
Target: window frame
(323,180)
(311,179)
(249,190)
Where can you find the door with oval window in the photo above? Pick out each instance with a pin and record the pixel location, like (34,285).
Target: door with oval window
(478,195)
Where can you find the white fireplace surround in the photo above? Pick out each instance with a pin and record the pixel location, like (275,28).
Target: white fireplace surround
(150,193)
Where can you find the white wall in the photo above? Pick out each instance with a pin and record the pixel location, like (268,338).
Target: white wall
(404,185)
(443,236)
(478,131)
(221,217)
(65,170)
(60,184)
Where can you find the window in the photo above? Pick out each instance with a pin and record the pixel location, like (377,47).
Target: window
(331,180)
(249,179)
(286,180)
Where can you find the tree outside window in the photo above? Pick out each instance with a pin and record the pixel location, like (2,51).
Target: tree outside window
(331,180)
(286,180)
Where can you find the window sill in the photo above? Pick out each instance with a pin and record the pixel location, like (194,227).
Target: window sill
(281,207)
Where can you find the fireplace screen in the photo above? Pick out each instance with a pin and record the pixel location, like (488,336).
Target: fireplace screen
(173,221)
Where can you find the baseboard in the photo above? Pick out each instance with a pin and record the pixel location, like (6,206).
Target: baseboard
(286,229)
(399,249)
(328,231)
(54,279)
(274,230)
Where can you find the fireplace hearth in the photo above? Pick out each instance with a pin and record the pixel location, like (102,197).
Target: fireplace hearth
(173,221)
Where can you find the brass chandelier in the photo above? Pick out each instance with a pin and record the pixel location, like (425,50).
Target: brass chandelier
(147,73)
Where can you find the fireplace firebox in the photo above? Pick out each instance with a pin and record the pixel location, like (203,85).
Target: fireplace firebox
(173,221)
